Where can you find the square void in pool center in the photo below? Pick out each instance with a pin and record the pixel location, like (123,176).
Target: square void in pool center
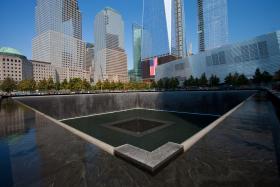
(145,129)
(138,126)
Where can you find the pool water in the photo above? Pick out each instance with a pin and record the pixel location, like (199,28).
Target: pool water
(146,129)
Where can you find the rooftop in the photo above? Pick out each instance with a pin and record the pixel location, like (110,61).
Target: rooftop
(9,50)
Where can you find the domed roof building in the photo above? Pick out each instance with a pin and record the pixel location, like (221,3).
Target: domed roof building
(10,51)
(14,64)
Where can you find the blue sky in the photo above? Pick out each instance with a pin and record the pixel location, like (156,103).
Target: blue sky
(247,18)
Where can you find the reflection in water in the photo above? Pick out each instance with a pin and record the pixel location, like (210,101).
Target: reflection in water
(19,159)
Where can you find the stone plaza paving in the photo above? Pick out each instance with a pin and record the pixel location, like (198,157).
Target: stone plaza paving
(242,151)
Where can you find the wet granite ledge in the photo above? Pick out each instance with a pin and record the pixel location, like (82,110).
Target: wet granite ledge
(275,96)
(149,161)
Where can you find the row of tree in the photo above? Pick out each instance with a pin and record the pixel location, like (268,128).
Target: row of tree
(235,79)
(75,84)
(107,85)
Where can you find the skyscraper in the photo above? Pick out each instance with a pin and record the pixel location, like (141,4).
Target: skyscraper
(58,38)
(212,24)
(163,37)
(137,39)
(110,58)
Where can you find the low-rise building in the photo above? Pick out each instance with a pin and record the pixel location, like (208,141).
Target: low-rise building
(14,65)
(261,52)
(43,70)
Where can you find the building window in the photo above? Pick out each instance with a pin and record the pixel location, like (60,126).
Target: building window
(263,49)
(209,60)
(245,53)
(222,57)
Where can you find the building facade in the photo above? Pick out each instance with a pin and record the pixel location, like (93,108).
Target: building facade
(14,65)
(89,62)
(212,24)
(262,52)
(163,35)
(110,58)
(58,38)
(43,70)
(137,39)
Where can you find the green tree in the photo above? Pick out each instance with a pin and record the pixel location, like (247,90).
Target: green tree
(86,85)
(160,84)
(8,85)
(242,80)
(203,80)
(235,79)
(50,84)
(42,85)
(214,80)
(98,85)
(57,85)
(173,83)
(106,85)
(27,85)
(258,76)
(229,79)
(266,77)
(75,84)
(64,85)
(119,85)
(166,83)
(153,84)
(190,82)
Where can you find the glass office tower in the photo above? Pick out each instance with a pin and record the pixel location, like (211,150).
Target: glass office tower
(58,38)
(163,34)
(212,24)
(163,29)
(137,38)
(110,57)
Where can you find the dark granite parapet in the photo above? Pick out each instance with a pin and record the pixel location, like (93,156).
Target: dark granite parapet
(205,102)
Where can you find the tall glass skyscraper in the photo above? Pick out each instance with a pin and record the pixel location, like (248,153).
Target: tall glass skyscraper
(137,38)
(110,58)
(163,30)
(58,38)
(212,24)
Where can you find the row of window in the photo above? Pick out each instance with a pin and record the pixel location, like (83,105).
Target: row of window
(12,71)
(10,60)
(8,67)
(12,64)
(249,52)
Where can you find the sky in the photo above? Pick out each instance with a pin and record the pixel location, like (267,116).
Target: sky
(247,19)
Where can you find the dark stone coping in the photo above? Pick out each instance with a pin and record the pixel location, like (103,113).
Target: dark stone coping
(150,161)
(149,131)
(275,96)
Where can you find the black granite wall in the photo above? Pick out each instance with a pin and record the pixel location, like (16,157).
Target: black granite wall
(206,102)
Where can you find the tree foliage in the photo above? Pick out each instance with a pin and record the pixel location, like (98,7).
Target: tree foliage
(214,81)
(8,85)
(236,79)
(167,83)
(42,85)
(27,85)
